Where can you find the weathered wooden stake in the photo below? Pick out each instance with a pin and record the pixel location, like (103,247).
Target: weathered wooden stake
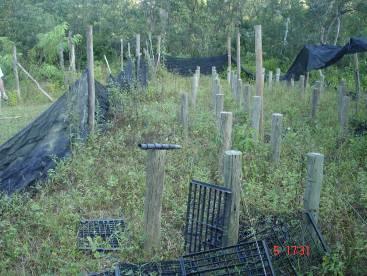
(61,59)
(128,50)
(315,166)
(256,114)
(277,75)
(159,50)
(91,84)
(276,136)
(122,53)
(292,82)
(194,90)
(238,55)
(270,80)
(15,70)
(302,85)
(259,78)
(225,137)
(71,44)
(246,98)
(137,55)
(344,116)
(219,106)
(315,100)
(229,54)
(184,114)
(232,180)
(239,91)
(153,200)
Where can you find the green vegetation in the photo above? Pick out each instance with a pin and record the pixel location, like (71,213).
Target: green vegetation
(106,178)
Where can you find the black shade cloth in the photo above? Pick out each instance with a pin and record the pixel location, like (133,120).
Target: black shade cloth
(313,57)
(28,155)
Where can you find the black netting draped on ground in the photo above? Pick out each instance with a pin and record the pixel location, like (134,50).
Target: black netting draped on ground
(28,155)
(313,57)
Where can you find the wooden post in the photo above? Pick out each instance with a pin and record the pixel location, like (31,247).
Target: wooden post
(91,84)
(256,113)
(158,50)
(232,180)
(344,116)
(315,165)
(219,106)
(61,59)
(276,136)
(225,137)
(302,85)
(35,82)
(292,82)
(307,80)
(151,46)
(246,99)
(315,100)
(137,56)
(277,75)
(122,54)
(15,70)
(322,83)
(357,79)
(184,114)
(270,80)
(238,91)
(229,54)
(128,50)
(72,66)
(238,55)
(259,78)
(341,94)
(153,200)
(194,90)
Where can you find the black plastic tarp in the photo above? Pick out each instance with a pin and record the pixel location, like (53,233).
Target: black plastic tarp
(27,156)
(313,57)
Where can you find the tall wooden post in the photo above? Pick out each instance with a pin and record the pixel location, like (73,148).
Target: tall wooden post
(259,77)
(91,84)
(229,54)
(314,176)
(15,70)
(153,200)
(225,136)
(122,53)
(184,114)
(276,136)
(270,80)
(238,55)
(232,180)
(344,116)
(219,106)
(315,100)
(246,99)
(277,75)
(256,113)
(357,79)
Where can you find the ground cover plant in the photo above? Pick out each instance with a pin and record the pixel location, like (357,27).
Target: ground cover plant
(106,178)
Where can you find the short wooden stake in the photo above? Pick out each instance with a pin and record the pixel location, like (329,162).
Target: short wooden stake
(315,100)
(302,85)
(91,84)
(15,70)
(153,200)
(315,166)
(194,90)
(158,50)
(270,80)
(277,75)
(344,116)
(255,118)
(128,50)
(292,82)
(259,78)
(246,91)
(276,136)
(219,106)
(184,114)
(225,136)
(232,180)
(215,91)
(229,54)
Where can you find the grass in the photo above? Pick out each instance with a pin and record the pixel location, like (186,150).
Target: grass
(106,178)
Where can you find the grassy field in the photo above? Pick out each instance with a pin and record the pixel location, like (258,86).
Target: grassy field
(106,178)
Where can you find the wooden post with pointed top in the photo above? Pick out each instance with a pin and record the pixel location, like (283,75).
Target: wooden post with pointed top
(314,176)
(232,180)
(229,54)
(259,77)
(15,70)
(225,136)
(91,84)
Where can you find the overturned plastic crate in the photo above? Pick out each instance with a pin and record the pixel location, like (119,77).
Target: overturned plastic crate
(206,208)
(295,242)
(100,234)
(250,258)
(164,268)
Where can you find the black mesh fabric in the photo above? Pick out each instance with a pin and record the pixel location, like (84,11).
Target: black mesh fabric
(313,57)
(29,154)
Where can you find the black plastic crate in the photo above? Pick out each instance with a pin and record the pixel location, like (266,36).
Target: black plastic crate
(104,233)
(250,258)
(206,208)
(281,233)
